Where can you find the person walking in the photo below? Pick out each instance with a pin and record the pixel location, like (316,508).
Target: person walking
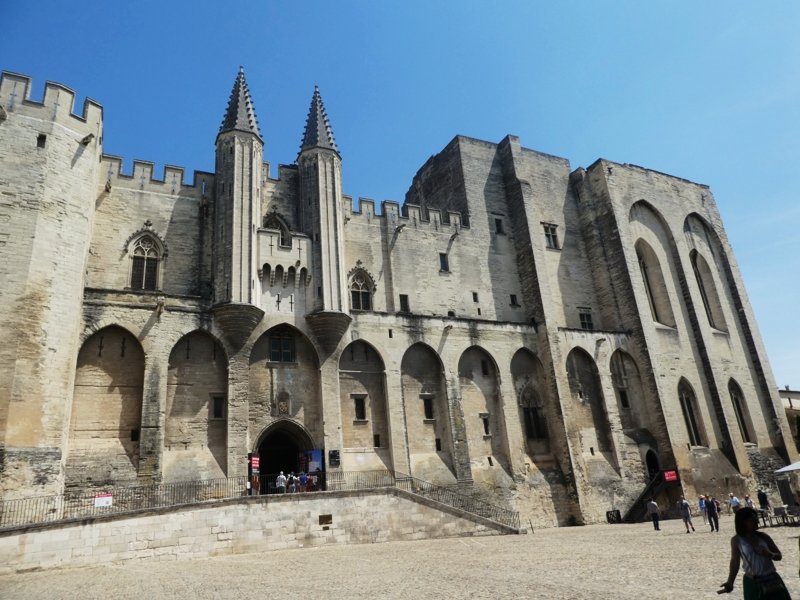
(756,552)
(748,501)
(734,502)
(686,513)
(652,510)
(712,509)
(280,483)
(701,504)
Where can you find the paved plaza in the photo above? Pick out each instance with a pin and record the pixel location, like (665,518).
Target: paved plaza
(597,562)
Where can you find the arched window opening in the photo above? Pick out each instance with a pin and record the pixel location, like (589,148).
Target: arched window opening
(361,287)
(273,221)
(708,291)
(144,268)
(654,285)
(740,409)
(689,408)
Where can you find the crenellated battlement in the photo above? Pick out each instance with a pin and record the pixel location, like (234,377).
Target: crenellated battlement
(406,215)
(57,104)
(142,177)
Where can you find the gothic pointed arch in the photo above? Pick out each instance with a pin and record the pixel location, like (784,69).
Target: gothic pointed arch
(106,416)
(483,409)
(741,412)
(365,416)
(274,220)
(655,286)
(284,380)
(589,406)
(530,385)
(147,251)
(430,443)
(195,435)
(691,414)
(362,286)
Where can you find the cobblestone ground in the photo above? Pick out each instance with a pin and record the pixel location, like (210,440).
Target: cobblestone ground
(597,562)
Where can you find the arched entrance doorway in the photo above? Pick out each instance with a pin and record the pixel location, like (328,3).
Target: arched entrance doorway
(653,467)
(282,448)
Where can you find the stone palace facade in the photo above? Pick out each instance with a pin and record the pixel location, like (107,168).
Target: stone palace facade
(551,339)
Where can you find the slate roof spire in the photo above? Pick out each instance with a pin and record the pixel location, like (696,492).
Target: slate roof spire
(318,133)
(240,115)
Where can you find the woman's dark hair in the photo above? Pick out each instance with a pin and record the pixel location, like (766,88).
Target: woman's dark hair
(742,516)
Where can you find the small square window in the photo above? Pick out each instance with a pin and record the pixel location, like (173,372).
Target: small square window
(444,263)
(41,139)
(438,444)
(218,407)
(451,313)
(551,235)
(498,226)
(474,296)
(586,319)
(484,367)
(135,435)
(404,303)
(427,404)
(376,440)
(359,403)
(486,428)
(514,300)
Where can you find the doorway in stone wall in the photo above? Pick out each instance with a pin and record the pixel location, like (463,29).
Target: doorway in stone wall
(282,448)
(653,465)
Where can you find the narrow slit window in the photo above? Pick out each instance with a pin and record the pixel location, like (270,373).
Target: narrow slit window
(359,403)
(498,226)
(427,406)
(404,303)
(444,263)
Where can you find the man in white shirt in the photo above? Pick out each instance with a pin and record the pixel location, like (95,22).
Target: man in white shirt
(735,503)
(280,483)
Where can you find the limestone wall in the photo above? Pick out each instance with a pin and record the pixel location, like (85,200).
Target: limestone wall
(258,525)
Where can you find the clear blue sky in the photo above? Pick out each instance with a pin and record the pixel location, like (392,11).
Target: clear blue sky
(708,91)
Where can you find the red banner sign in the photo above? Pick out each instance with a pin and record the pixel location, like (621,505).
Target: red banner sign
(670,476)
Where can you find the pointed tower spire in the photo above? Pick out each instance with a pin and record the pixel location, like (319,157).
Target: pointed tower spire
(318,132)
(240,115)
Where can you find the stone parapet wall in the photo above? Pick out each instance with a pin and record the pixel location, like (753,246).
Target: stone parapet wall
(254,525)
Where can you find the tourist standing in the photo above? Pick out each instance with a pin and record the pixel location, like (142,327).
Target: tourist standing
(712,509)
(303,481)
(756,551)
(686,513)
(734,502)
(652,510)
(763,499)
(748,501)
(701,504)
(280,483)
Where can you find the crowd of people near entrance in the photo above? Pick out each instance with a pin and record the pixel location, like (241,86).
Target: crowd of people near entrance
(302,482)
(751,549)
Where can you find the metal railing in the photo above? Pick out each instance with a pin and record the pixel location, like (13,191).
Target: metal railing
(72,505)
(450,497)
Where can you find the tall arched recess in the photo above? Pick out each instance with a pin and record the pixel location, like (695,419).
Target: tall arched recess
(430,443)
(708,291)
(365,424)
(106,411)
(692,418)
(484,418)
(655,286)
(589,408)
(743,419)
(284,383)
(534,406)
(195,430)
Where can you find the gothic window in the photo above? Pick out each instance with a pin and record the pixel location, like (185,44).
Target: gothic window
(619,376)
(708,291)
(281,346)
(691,418)
(740,409)
(655,287)
(361,287)
(144,268)
(273,221)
